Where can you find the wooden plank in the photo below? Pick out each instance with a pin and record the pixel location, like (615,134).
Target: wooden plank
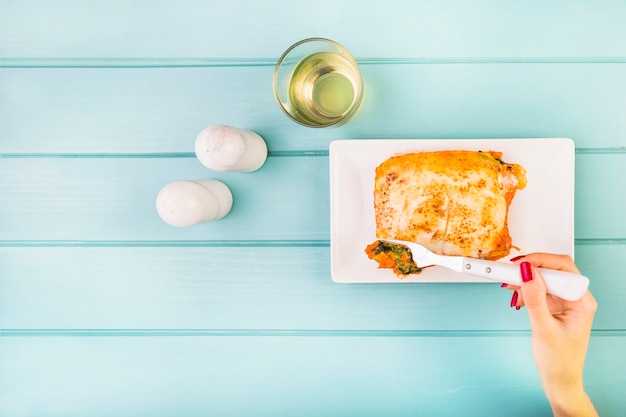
(257,288)
(598,179)
(604,264)
(122,110)
(208,29)
(277,375)
(84,199)
(288,198)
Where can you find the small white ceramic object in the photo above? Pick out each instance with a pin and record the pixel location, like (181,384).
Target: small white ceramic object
(187,203)
(225,148)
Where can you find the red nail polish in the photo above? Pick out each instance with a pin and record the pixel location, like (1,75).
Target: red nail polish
(517,307)
(517,258)
(514,299)
(527,271)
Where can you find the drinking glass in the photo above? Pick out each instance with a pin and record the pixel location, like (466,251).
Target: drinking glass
(317,83)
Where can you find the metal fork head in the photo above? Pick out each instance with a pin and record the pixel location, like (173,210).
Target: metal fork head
(421,255)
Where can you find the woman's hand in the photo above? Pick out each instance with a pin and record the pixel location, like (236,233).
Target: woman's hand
(560,334)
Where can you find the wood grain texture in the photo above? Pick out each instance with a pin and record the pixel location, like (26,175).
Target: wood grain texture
(245,28)
(258,288)
(107,311)
(277,375)
(147,110)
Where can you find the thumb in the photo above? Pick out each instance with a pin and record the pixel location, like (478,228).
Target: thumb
(533,290)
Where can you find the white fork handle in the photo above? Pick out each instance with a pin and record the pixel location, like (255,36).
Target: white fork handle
(566,285)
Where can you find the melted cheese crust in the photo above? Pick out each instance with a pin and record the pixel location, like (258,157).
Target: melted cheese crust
(452,202)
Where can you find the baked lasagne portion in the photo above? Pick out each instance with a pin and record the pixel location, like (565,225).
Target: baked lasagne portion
(452,202)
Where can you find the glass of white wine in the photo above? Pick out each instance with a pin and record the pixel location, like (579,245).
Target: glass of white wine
(317,83)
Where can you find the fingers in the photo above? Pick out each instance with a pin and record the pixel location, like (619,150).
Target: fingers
(533,289)
(550,261)
(544,260)
(548,314)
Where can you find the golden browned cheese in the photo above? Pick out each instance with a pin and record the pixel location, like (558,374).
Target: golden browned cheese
(452,202)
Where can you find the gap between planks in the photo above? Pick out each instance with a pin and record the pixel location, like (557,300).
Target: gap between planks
(278,333)
(190,62)
(275,154)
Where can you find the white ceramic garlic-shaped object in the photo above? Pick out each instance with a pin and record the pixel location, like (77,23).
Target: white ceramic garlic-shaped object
(225,148)
(187,203)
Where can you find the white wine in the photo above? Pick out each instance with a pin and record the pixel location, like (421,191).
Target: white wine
(317,83)
(324,87)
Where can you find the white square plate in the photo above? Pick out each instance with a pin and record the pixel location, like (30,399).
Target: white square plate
(541,216)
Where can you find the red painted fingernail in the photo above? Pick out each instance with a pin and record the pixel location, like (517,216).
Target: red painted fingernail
(504,285)
(527,271)
(517,258)
(517,307)
(514,299)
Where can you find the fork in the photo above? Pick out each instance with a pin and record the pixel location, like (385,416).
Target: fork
(566,285)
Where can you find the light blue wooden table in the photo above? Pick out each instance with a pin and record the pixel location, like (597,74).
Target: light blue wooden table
(105,310)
